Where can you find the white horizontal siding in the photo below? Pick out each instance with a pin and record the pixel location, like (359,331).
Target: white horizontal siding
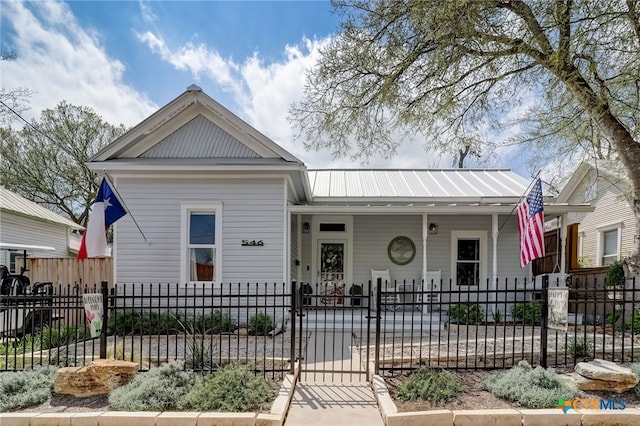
(251,210)
(610,208)
(372,235)
(22,230)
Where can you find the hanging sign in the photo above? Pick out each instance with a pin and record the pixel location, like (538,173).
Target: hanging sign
(558,317)
(93,312)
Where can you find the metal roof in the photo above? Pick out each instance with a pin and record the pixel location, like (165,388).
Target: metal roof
(16,203)
(442,185)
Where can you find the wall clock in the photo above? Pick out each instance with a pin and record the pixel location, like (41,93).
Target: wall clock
(401,250)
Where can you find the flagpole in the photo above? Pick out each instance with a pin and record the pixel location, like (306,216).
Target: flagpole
(524,194)
(115,191)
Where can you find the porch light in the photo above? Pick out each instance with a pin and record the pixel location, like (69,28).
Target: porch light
(433,228)
(305,228)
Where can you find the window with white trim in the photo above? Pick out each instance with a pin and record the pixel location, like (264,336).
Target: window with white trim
(610,241)
(201,243)
(468,262)
(468,254)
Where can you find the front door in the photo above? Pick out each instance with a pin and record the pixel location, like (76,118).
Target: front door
(331,272)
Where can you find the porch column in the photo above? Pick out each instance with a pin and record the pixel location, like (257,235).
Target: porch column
(493,287)
(494,236)
(299,249)
(425,233)
(563,244)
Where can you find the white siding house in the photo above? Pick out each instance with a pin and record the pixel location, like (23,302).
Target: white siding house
(218,201)
(605,234)
(23,222)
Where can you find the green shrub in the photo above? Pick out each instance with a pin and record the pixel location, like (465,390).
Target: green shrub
(579,348)
(435,386)
(214,323)
(124,323)
(529,312)
(55,337)
(615,274)
(260,324)
(529,387)
(633,323)
(612,317)
(466,313)
(25,388)
(159,389)
(135,322)
(233,388)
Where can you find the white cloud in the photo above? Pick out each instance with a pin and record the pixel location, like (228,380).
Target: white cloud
(59,60)
(147,14)
(263,93)
(198,60)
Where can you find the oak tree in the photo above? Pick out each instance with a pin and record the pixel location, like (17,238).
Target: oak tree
(571,69)
(45,161)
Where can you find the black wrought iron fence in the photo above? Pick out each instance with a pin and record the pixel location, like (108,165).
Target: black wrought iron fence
(398,327)
(497,326)
(203,325)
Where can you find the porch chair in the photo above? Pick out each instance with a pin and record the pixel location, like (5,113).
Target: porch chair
(387,286)
(432,283)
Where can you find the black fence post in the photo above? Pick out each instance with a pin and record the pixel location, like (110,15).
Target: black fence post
(103,332)
(294,295)
(378,296)
(545,314)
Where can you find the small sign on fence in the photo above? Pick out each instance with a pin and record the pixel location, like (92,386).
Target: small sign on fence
(558,309)
(93,312)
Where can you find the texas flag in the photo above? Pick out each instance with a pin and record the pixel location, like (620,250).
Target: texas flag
(105,210)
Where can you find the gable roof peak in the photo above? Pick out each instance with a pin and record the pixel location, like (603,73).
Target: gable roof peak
(192,103)
(194,88)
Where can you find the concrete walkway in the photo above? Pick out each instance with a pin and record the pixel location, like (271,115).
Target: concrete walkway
(333,399)
(334,404)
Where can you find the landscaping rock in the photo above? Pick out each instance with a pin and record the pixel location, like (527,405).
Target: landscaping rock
(99,377)
(604,375)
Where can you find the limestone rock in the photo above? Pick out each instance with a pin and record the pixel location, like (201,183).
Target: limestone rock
(98,377)
(604,375)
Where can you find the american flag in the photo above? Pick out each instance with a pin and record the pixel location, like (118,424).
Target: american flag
(530,215)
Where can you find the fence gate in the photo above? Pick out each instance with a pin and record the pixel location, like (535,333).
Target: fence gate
(332,332)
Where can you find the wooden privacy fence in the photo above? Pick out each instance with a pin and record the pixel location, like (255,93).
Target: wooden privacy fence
(71,271)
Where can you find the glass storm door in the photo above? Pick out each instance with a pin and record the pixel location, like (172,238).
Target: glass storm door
(331,279)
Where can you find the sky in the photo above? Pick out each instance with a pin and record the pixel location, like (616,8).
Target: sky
(126,59)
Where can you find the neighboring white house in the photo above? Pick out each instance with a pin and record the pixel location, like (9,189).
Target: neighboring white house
(605,234)
(219,201)
(25,223)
